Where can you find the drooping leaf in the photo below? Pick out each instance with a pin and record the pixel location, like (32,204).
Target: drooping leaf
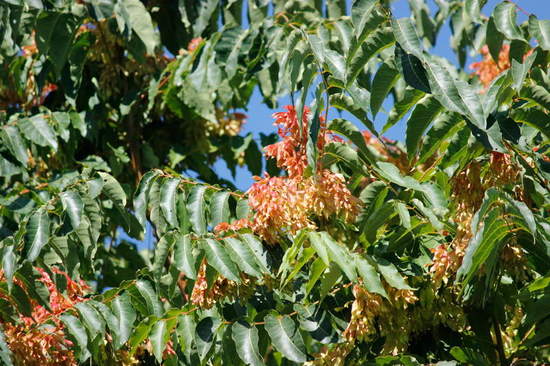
(5,351)
(391,275)
(142,195)
(14,142)
(285,337)
(185,260)
(73,206)
(425,112)
(147,291)
(77,330)
(196,205)
(205,335)
(37,130)
(219,259)
(91,319)
(505,20)
(340,255)
(261,255)
(167,203)
(371,278)
(246,339)
(9,263)
(113,189)
(243,256)
(139,20)
(219,208)
(54,35)
(455,95)
(406,36)
(412,69)
(126,316)
(38,233)
(385,78)
(540,29)
(162,249)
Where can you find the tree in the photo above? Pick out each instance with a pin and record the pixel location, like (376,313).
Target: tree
(353,249)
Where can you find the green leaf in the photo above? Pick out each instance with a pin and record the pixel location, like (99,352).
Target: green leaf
(186,326)
(91,318)
(383,82)
(379,40)
(318,244)
(341,255)
(219,208)
(145,289)
(243,209)
(406,36)
(494,38)
(73,206)
(391,275)
(15,143)
(9,264)
(520,71)
(455,95)
(313,135)
(196,206)
(38,233)
(160,335)
(158,339)
(246,339)
(404,215)
(260,254)
(7,169)
(285,337)
(350,131)
(77,330)
(113,189)
(361,17)
(371,278)
(162,250)
(392,173)
(5,351)
(142,195)
(167,203)
(315,271)
(504,16)
(110,319)
(125,315)
(444,126)
(54,36)
(185,260)
(483,246)
(243,256)
(376,220)
(421,118)
(37,130)
(402,107)
(534,118)
(540,29)
(219,259)
(537,94)
(141,333)
(140,21)
(205,335)
(411,68)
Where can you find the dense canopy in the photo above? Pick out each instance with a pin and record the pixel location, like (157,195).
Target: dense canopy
(347,249)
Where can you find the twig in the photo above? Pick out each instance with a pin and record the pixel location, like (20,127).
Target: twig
(500,344)
(519,8)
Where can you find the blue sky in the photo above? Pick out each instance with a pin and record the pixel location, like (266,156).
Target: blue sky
(259,115)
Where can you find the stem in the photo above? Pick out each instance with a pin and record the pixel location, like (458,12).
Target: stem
(500,344)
